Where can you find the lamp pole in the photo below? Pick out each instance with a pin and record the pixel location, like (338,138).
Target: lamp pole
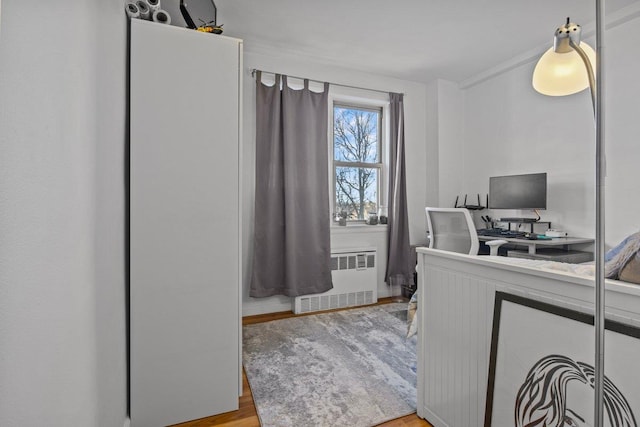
(596,87)
(566,40)
(599,253)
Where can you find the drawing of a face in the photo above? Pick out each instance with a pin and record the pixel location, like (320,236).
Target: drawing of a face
(558,392)
(579,404)
(571,419)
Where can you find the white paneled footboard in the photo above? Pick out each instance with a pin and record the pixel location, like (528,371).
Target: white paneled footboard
(456,319)
(455,312)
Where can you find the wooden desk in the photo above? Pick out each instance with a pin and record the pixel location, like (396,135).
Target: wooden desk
(564,242)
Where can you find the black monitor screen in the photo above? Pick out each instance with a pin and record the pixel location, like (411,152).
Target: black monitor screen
(518,191)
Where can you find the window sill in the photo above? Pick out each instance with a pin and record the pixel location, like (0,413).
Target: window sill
(358,228)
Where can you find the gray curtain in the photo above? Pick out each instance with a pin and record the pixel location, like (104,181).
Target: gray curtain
(292,252)
(399,268)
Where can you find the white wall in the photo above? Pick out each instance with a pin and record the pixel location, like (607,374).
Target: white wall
(415,134)
(622,131)
(451,144)
(432,147)
(510,129)
(62,323)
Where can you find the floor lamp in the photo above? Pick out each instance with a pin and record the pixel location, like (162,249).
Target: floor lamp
(564,69)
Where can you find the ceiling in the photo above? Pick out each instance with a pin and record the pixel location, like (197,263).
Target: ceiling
(417,40)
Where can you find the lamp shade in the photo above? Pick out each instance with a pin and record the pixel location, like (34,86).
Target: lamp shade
(560,74)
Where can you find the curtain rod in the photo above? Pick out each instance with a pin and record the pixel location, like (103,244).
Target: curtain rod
(254,70)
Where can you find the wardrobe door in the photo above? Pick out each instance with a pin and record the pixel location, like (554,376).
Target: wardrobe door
(184,224)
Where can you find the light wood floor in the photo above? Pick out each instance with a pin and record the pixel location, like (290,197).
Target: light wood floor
(246,416)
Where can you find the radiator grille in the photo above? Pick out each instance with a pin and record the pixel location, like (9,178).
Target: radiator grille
(352,262)
(330,302)
(355,282)
(343,263)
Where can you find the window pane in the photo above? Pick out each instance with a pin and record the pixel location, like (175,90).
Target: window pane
(356,191)
(355,135)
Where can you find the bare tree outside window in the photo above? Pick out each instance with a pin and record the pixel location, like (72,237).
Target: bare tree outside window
(357,160)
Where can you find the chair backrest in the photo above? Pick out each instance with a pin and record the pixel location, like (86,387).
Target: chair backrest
(452,229)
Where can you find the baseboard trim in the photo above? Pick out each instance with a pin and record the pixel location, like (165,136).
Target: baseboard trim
(266,317)
(431,417)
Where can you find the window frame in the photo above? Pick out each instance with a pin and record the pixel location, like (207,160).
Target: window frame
(368,102)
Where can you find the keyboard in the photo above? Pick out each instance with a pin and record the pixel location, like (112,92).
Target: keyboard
(524,220)
(499,232)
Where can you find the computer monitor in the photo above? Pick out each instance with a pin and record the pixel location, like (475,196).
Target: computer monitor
(518,191)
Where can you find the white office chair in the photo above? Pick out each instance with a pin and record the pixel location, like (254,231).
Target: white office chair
(452,229)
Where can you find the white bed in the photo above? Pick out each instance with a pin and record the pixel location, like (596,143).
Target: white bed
(455,313)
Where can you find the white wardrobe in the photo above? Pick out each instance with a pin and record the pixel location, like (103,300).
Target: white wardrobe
(184,224)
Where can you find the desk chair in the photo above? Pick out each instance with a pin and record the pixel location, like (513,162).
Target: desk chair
(452,229)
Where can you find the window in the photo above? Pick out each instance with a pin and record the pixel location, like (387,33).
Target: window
(357,160)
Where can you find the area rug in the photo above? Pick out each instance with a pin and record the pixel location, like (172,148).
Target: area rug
(348,368)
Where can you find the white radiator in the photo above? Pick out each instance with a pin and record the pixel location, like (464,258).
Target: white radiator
(355,282)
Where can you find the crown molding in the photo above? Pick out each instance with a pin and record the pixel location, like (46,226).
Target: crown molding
(615,19)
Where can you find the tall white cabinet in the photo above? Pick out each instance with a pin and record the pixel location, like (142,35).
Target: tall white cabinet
(184,224)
